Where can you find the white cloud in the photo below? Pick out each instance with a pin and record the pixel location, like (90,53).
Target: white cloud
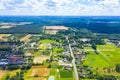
(59,7)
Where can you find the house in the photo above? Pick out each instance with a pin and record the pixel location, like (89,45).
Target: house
(15,59)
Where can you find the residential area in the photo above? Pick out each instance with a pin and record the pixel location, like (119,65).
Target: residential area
(59,54)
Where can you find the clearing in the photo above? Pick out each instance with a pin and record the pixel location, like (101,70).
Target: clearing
(26,38)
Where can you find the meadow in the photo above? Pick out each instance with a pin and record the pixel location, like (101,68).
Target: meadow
(47,41)
(110,52)
(104,62)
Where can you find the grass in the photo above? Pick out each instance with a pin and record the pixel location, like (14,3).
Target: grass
(54,72)
(47,41)
(96,60)
(5,73)
(108,57)
(66,74)
(88,49)
(67,79)
(111,52)
(57,50)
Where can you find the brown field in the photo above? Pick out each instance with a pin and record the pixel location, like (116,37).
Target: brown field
(26,38)
(5,27)
(54,29)
(40,71)
(40,59)
(5,72)
(2,73)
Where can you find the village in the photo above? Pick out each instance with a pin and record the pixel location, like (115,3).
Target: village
(62,56)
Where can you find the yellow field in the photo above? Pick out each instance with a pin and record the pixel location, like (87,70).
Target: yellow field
(4,73)
(26,38)
(2,37)
(42,73)
(5,27)
(40,59)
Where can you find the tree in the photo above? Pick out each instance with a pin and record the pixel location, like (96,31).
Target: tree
(117,68)
(94,46)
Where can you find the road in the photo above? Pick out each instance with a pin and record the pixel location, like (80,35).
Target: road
(73,61)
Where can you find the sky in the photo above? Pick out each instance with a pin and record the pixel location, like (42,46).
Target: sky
(60,7)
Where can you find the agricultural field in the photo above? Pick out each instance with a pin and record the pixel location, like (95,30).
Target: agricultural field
(5,27)
(45,46)
(104,62)
(51,31)
(88,49)
(96,60)
(40,59)
(47,41)
(66,75)
(37,73)
(4,73)
(26,38)
(3,37)
(110,52)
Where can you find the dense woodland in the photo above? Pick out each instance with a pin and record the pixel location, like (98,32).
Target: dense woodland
(95,24)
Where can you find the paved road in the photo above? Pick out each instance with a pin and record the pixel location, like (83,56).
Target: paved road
(73,61)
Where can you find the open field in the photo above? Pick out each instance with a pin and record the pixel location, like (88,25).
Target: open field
(26,38)
(36,78)
(5,27)
(67,79)
(4,73)
(66,74)
(97,63)
(110,52)
(104,62)
(47,41)
(88,49)
(41,72)
(54,29)
(51,31)
(4,35)
(96,60)
(45,46)
(40,59)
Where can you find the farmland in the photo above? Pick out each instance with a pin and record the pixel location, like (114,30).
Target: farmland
(26,38)
(47,41)
(66,74)
(40,59)
(111,52)
(4,73)
(37,73)
(106,59)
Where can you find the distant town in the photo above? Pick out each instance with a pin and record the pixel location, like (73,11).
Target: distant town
(59,53)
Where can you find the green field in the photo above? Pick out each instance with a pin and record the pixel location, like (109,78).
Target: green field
(110,52)
(108,57)
(57,50)
(47,41)
(96,60)
(66,74)
(67,79)
(88,49)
